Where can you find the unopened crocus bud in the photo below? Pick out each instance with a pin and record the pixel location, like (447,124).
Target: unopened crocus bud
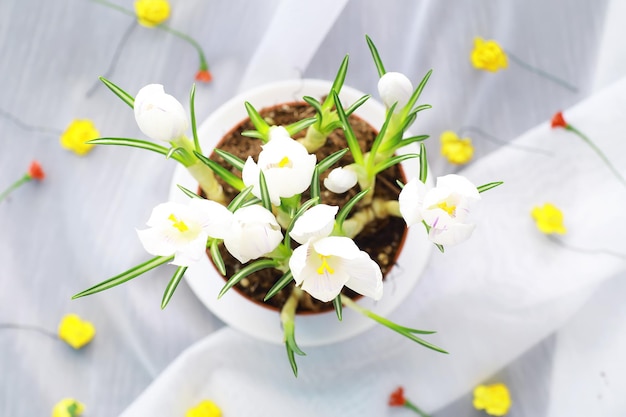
(159,115)
(340,180)
(394,87)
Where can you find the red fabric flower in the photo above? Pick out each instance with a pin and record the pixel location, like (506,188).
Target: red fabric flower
(396,399)
(35,171)
(204,76)
(558,120)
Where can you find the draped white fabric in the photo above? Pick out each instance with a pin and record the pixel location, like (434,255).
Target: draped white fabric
(509,289)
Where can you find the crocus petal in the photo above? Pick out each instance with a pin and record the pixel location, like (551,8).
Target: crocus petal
(340,180)
(215,219)
(365,277)
(254,233)
(316,222)
(278,131)
(192,252)
(459,184)
(394,87)
(411,199)
(159,115)
(297,262)
(342,247)
(325,287)
(451,234)
(154,243)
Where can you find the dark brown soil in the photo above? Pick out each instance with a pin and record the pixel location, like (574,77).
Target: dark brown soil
(380,239)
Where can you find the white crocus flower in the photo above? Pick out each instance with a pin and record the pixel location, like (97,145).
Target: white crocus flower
(340,180)
(286,164)
(324,264)
(444,208)
(182,230)
(254,232)
(394,87)
(159,115)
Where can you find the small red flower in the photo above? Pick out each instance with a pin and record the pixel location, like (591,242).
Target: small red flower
(396,399)
(204,76)
(558,120)
(35,171)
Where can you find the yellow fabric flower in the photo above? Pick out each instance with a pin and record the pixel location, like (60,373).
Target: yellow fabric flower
(205,408)
(75,331)
(152,12)
(68,407)
(488,55)
(77,133)
(549,219)
(458,151)
(494,399)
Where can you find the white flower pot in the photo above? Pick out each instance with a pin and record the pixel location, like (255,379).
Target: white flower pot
(262,322)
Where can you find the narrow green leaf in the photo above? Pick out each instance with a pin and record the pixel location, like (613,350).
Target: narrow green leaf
(440,247)
(412,139)
(314,103)
(423,163)
(339,79)
(259,123)
(253,134)
(126,98)
(239,199)
(216,256)
(135,143)
(393,161)
(292,359)
(175,150)
(230,178)
(171,286)
(192,110)
(266,201)
(315,184)
(417,92)
(357,104)
(345,210)
(489,186)
(380,136)
(377,61)
(353,144)
(187,192)
(300,125)
(125,276)
(245,271)
(231,159)
(279,285)
(330,160)
(338,307)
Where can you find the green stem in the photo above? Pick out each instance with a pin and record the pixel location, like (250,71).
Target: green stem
(115,7)
(598,152)
(15,185)
(29,327)
(542,73)
(204,66)
(408,404)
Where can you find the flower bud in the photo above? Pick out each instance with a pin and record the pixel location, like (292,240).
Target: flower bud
(394,87)
(340,180)
(159,115)
(254,233)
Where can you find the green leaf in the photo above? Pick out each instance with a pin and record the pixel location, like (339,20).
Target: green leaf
(338,307)
(423,163)
(125,276)
(412,139)
(380,136)
(239,199)
(175,150)
(353,144)
(357,104)
(187,192)
(393,161)
(418,91)
(279,285)
(192,110)
(230,178)
(245,271)
(330,160)
(339,79)
(489,186)
(314,103)
(377,61)
(171,286)
(126,98)
(231,159)
(315,184)
(300,125)
(259,123)
(135,143)
(266,201)
(253,134)
(216,256)
(345,210)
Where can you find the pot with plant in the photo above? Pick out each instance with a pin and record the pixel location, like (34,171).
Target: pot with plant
(303,206)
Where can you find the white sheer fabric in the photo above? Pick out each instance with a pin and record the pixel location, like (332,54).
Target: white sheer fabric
(490,299)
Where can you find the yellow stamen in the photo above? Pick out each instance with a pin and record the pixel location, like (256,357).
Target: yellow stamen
(324,267)
(283,162)
(448,209)
(179,224)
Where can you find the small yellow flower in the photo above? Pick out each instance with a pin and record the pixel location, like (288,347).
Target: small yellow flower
(77,133)
(494,399)
(68,407)
(152,12)
(549,219)
(205,408)
(458,151)
(488,55)
(75,331)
